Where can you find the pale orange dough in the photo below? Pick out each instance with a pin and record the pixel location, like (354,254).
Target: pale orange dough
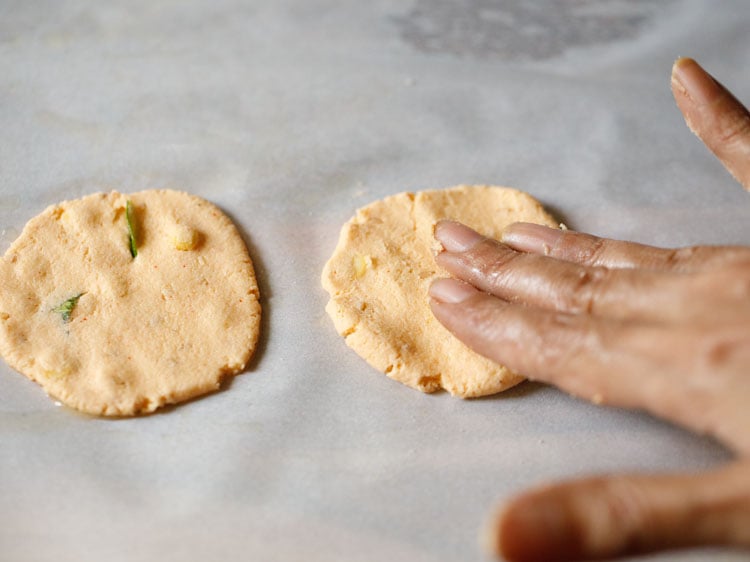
(160,328)
(381,270)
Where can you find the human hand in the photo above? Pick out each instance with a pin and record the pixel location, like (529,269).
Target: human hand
(617,323)
(667,331)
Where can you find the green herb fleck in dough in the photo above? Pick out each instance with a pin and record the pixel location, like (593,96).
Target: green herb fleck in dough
(66,308)
(131,228)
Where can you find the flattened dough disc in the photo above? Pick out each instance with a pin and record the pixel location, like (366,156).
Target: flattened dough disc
(381,269)
(111,334)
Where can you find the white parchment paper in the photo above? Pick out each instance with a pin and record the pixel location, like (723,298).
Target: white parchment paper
(289,114)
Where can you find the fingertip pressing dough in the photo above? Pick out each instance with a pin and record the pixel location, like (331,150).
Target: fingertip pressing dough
(116,313)
(382,268)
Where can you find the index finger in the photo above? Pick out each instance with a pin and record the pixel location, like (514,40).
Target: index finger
(586,249)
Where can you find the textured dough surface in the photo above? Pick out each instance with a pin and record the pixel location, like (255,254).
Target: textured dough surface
(159,328)
(382,268)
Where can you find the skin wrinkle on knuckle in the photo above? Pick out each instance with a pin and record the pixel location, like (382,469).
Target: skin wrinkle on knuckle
(588,289)
(496,275)
(630,511)
(635,256)
(491,324)
(733,129)
(705,257)
(478,263)
(592,251)
(592,365)
(564,245)
(491,265)
(555,343)
(676,257)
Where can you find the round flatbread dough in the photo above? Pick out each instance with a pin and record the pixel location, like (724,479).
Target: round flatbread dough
(382,268)
(111,334)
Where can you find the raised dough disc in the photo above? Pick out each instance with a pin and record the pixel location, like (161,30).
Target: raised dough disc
(380,272)
(159,328)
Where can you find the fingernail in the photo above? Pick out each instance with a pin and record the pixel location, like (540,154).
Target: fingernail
(529,237)
(694,82)
(455,237)
(451,291)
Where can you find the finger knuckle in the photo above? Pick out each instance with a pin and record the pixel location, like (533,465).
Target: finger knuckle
(629,506)
(537,345)
(560,342)
(587,251)
(677,257)
(587,290)
(735,130)
(495,271)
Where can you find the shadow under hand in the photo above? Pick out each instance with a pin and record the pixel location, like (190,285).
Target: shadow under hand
(521,390)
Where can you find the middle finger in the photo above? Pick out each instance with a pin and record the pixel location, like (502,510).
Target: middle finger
(555,284)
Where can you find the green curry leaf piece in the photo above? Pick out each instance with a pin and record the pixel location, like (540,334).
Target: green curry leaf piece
(65,308)
(131,228)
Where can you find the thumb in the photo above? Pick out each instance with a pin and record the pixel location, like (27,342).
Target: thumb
(715,115)
(614,516)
